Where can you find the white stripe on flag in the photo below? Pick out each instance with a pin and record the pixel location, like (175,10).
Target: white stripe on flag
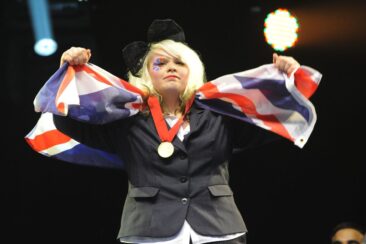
(44,124)
(69,96)
(88,84)
(60,148)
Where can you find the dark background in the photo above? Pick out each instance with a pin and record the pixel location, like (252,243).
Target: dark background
(286,194)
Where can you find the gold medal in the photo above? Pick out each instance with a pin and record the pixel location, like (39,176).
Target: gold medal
(165,149)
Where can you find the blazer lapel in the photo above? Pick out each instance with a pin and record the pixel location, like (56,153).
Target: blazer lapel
(177,142)
(152,128)
(195,115)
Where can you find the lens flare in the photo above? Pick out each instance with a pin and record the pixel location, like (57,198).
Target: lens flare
(281,29)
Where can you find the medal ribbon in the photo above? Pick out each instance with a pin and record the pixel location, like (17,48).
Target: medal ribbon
(159,121)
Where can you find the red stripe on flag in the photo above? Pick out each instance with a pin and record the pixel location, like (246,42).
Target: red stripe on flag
(69,75)
(47,140)
(91,72)
(210,91)
(304,83)
(101,78)
(132,88)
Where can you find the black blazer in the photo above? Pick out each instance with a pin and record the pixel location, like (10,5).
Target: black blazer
(192,184)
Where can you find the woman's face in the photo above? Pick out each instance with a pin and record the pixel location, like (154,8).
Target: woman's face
(168,74)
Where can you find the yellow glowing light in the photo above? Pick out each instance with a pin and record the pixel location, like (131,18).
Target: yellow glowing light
(281,29)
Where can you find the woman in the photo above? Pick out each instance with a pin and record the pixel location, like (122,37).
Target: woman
(178,178)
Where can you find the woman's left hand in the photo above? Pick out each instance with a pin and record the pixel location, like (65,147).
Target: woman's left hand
(285,63)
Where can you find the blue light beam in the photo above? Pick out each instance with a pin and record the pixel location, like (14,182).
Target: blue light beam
(44,45)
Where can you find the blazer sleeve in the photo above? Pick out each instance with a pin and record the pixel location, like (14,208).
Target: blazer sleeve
(103,137)
(248,136)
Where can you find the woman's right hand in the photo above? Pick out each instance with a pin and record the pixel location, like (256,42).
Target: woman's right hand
(75,56)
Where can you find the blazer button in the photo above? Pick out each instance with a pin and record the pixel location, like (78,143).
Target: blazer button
(184,200)
(183,179)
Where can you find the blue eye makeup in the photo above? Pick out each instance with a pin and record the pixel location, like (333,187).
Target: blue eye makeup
(156,68)
(157,62)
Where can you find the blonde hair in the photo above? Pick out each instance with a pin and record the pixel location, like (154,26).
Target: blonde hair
(196,76)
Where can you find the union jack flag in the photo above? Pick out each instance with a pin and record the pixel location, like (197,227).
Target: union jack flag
(263,96)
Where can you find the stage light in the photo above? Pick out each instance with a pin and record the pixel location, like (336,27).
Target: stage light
(281,29)
(44,45)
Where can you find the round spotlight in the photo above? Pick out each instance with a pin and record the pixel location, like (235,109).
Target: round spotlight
(45,47)
(281,29)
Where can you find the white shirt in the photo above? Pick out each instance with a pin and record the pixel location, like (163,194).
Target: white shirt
(186,232)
